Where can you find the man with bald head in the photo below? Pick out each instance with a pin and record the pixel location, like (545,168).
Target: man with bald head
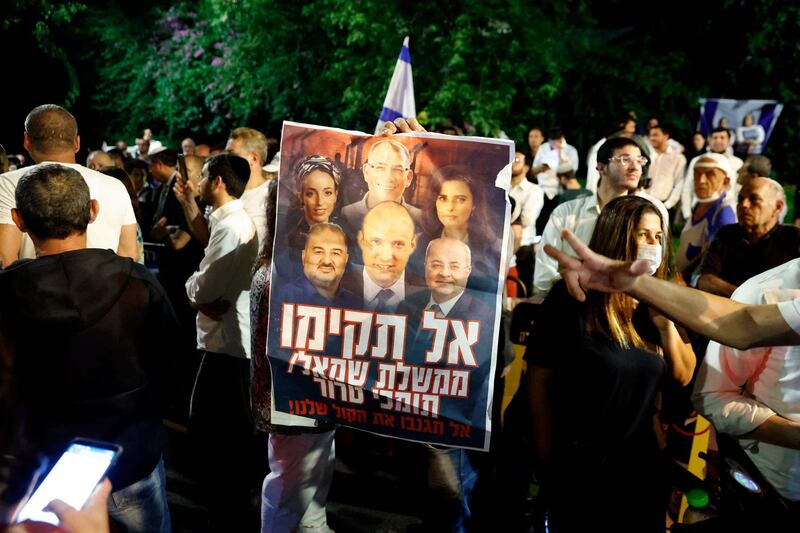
(386,240)
(757,242)
(98,159)
(388,174)
(51,135)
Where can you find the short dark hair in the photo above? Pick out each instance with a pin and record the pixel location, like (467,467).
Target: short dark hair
(53,201)
(606,150)
(51,127)
(234,171)
(555,133)
(721,130)
(665,129)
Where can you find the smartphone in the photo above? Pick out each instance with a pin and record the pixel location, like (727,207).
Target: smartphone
(183,174)
(72,479)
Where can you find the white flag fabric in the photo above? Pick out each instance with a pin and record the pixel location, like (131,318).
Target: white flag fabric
(399,100)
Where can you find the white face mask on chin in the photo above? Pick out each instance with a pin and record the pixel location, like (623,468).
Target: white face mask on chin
(713,198)
(650,253)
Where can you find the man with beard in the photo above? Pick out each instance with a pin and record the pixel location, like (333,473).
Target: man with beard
(620,163)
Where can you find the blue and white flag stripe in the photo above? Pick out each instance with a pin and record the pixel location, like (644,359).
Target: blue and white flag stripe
(399,100)
(765,113)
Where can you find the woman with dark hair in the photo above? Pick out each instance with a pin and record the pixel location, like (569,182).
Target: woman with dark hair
(316,190)
(460,213)
(595,371)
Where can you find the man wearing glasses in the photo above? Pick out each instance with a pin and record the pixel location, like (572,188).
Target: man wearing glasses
(388,174)
(621,165)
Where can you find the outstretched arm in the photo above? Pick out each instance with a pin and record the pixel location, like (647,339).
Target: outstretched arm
(725,321)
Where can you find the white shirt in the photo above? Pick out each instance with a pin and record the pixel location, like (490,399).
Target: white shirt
(255,205)
(224,274)
(579,216)
(737,390)
(529,197)
(667,171)
(371,290)
(552,156)
(688,197)
(447,305)
(116,209)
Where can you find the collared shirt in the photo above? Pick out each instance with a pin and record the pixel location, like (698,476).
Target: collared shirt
(735,259)
(740,389)
(666,171)
(530,198)
(116,209)
(371,290)
(447,305)
(579,216)
(224,274)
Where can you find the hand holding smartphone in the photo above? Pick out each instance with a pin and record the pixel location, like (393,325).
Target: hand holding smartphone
(183,174)
(72,479)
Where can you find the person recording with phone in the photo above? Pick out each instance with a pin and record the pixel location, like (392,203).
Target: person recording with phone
(90,336)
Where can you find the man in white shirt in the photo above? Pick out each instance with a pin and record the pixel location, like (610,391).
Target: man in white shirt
(51,136)
(620,164)
(219,420)
(667,167)
(530,200)
(554,152)
(749,393)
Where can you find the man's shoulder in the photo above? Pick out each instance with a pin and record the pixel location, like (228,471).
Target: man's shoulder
(731,233)
(471,307)
(575,205)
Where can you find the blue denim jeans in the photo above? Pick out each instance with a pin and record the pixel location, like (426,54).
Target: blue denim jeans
(142,506)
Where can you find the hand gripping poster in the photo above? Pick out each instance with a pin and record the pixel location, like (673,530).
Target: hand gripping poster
(388,269)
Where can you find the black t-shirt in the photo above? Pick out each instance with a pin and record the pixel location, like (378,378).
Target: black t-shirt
(731,256)
(602,394)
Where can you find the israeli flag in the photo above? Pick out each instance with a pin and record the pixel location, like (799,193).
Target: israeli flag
(763,115)
(399,100)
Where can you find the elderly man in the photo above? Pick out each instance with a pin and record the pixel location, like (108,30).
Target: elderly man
(719,143)
(713,175)
(98,159)
(757,242)
(51,135)
(387,240)
(388,174)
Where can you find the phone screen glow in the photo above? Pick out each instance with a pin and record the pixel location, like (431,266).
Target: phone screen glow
(72,480)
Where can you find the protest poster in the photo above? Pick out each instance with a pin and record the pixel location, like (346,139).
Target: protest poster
(388,268)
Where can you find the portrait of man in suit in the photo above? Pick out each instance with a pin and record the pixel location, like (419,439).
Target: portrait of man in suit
(448,264)
(386,240)
(388,174)
(324,259)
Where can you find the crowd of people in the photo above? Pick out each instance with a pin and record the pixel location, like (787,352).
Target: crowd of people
(132,292)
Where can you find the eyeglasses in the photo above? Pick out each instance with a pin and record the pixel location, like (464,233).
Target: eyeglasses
(626,159)
(395,170)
